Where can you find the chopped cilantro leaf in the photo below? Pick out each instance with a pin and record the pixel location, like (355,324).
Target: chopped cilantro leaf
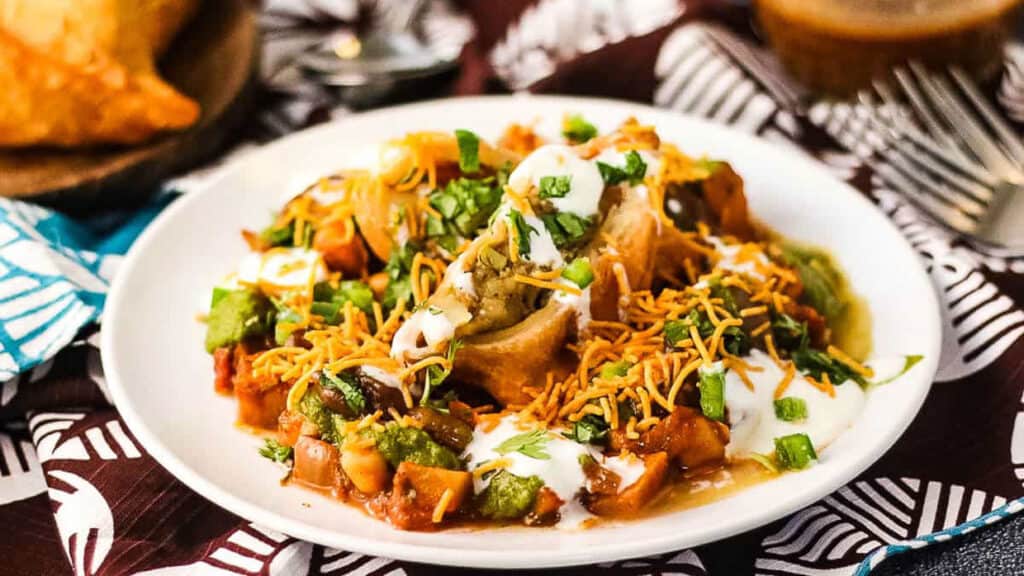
(522,231)
(274,450)
(676,331)
(589,430)
(532,444)
(816,363)
(346,383)
(633,172)
(565,228)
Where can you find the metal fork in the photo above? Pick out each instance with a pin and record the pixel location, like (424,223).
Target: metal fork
(948,152)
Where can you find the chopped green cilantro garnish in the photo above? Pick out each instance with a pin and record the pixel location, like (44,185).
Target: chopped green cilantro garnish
(274,450)
(618,369)
(577,130)
(522,232)
(436,376)
(469,151)
(633,172)
(554,186)
(794,452)
(791,409)
(397,269)
(789,333)
(532,444)
(676,331)
(565,228)
(346,383)
(589,430)
(816,363)
(579,272)
(712,392)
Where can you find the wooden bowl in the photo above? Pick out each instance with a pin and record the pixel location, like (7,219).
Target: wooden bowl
(213,60)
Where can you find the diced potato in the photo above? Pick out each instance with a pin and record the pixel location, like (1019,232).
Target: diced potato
(430,484)
(636,495)
(342,249)
(365,467)
(260,400)
(316,462)
(546,504)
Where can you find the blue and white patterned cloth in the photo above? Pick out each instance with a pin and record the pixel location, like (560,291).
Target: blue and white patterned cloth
(54,276)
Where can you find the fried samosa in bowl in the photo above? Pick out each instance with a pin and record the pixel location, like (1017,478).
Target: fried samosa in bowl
(83,72)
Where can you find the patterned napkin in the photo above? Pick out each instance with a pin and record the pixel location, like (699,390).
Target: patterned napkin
(78,494)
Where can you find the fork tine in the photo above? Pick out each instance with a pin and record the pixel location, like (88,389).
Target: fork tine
(921,107)
(954,110)
(942,213)
(929,185)
(902,128)
(1008,137)
(746,58)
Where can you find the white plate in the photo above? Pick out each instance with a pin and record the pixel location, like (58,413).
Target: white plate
(162,379)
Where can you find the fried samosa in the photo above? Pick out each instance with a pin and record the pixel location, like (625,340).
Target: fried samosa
(83,72)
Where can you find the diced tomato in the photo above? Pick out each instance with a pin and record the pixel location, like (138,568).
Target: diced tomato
(289,427)
(223,370)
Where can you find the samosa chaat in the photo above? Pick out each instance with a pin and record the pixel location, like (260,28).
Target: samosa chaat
(537,331)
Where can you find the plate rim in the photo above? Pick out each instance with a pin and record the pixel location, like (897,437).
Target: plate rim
(463,557)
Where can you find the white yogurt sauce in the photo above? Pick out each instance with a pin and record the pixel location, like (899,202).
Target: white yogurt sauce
(585,185)
(580,303)
(562,472)
(460,277)
(283,267)
(629,468)
(543,251)
(434,325)
(752,419)
(728,260)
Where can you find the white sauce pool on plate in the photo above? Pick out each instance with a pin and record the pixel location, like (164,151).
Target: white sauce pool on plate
(752,420)
(585,184)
